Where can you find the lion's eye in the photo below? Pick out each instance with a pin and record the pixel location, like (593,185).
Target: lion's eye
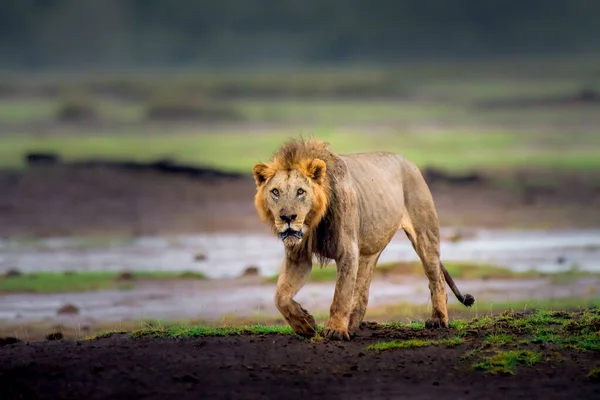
(301,192)
(275,192)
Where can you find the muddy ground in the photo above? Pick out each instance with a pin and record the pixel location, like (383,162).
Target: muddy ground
(67,201)
(281,366)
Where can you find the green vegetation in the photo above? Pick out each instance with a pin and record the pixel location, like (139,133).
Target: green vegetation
(443,107)
(186,331)
(234,152)
(414,343)
(457,269)
(499,338)
(414,325)
(61,282)
(507,336)
(506,362)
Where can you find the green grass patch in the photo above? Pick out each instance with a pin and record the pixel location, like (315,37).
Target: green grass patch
(103,335)
(235,150)
(63,282)
(499,338)
(413,325)
(575,330)
(414,343)
(318,274)
(506,362)
(189,331)
(458,270)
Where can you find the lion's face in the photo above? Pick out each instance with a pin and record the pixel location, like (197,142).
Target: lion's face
(292,200)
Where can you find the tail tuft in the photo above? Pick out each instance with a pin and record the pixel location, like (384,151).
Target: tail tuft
(468,300)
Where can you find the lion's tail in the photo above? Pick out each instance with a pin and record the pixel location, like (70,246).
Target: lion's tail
(468,300)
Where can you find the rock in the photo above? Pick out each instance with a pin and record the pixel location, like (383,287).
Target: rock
(200,257)
(68,309)
(11,273)
(251,271)
(125,276)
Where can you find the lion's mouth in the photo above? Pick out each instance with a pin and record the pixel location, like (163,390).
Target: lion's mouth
(289,232)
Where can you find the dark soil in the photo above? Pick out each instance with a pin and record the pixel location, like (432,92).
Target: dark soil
(282,367)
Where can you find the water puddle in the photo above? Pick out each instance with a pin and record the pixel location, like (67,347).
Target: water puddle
(228,255)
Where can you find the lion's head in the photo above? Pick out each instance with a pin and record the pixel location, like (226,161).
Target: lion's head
(292,191)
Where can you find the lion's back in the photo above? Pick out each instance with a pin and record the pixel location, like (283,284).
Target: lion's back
(380,170)
(381,181)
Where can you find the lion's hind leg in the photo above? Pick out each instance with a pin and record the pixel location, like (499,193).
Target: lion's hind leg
(293,276)
(366,266)
(426,242)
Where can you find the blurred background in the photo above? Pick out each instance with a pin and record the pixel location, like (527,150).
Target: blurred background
(128,131)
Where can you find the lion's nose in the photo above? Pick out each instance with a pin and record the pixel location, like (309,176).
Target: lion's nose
(288,218)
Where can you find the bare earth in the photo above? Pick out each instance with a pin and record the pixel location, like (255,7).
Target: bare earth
(278,367)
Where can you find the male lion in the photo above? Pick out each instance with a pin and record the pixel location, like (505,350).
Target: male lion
(346,208)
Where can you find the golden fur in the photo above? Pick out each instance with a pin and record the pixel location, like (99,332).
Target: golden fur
(346,208)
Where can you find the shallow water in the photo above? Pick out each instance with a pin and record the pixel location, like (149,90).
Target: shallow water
(219,299)
(228,255)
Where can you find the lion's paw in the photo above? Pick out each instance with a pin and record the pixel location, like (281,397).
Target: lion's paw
(303,325)
(334,334)
(436,323)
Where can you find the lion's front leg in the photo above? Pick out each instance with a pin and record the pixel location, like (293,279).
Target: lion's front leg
(293,276)
(366,265)
(341,307)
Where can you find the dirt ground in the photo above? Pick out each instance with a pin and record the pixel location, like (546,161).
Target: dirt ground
(281,366)
(67,201)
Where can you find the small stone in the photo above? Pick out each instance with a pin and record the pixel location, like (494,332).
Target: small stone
(251,271)
(68,309)
(12,273)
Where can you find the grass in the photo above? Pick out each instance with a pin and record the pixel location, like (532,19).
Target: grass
(414,343)
(508,337)
(506,362)
(499,338)
(186,331)
(235,150)
(414,325)
(457,269)
(63,282)
(430,106)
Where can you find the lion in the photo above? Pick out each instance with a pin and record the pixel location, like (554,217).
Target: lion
(346,208)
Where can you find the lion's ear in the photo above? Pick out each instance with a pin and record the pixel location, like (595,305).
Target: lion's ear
(316,170)
(261,172)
